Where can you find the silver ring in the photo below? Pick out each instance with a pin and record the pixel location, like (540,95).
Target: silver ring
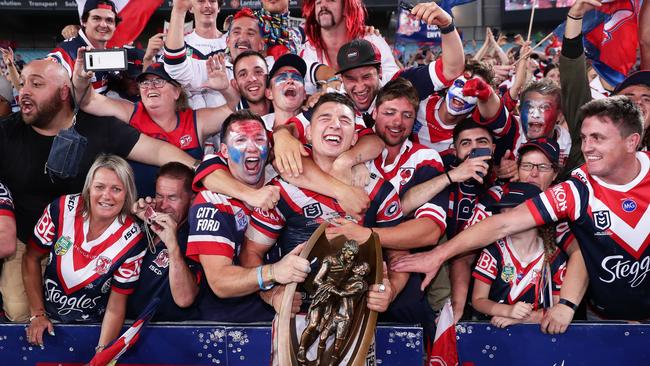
(382,288)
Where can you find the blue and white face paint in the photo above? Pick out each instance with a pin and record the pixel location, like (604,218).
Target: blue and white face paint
(457,103)
(248,150)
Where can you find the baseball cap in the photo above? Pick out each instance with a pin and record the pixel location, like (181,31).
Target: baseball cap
(134,58)
(157,69)
(635,78)
(6,90)
(357,53)
(549,147)
(98,4)
(514,194)
(288,59)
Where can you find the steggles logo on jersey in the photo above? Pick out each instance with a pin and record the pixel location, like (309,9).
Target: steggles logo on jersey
(67,304)
(102,265)
(312,211)
(632,271)
(62,245)
(601,220)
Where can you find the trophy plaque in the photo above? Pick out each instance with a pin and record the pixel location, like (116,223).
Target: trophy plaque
(338,328)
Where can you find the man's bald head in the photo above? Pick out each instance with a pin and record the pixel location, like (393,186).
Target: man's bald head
(46,92)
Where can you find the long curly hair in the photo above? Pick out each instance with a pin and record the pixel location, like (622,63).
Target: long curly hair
(355,21)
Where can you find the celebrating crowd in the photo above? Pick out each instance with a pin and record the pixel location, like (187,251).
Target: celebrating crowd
(505,181)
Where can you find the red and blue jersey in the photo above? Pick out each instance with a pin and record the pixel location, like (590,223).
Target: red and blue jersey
(300,211)
(65,53)
(512,280)
(185,136)
(81,273)
(6,202)
(612,226)
(413,165)
(154,282)
(217,224)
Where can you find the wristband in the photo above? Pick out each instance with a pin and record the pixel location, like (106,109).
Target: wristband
(572,17)
(260,282)
(448,29)
(448,177)
(568,303)
(99,347)
(31,318)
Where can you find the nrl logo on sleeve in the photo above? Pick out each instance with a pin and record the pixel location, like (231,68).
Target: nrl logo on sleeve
(601,220)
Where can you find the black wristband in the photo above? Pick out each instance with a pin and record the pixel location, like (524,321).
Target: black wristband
(568,303)
(448,29)
(572,17)
(448,177)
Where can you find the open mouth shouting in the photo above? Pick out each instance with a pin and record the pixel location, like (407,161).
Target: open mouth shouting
(27,105)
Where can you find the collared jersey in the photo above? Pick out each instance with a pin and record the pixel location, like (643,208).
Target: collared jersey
(81,273)
(217,224)
(610,223)
(512,281)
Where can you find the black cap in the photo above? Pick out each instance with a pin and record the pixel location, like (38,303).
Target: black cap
(635,78)
(549,147)
(288,59)
(98,4)
(134,57)
(357,53)
(157,69)
(514,194)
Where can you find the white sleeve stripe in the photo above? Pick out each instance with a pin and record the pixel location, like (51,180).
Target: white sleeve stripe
(258,237)
(267,224)
(428,208)
(218,239)
(576,197)
(549,208)
(485,273)
(437,83)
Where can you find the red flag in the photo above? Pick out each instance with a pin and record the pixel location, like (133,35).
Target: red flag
(444,352)
(135,16)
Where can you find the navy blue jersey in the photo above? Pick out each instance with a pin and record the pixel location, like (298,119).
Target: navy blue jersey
(512,281)
(217,226)
(610,223)
(300,211)
(154,282)
(80,274)
(65,53)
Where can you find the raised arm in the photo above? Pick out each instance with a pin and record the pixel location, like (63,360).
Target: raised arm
(156,152)
(92,102)
(453,54)
(474,237)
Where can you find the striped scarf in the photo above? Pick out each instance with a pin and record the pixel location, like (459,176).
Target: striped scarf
(276,30)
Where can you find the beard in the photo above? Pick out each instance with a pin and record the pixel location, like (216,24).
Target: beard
(44,111)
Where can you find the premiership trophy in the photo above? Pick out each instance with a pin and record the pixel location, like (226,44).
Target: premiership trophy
(338,328)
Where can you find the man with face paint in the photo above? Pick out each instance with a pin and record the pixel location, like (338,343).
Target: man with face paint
(217,226)
(540,113)
(438,115)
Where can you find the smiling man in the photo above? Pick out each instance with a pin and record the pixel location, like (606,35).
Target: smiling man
(98,21)
(604,206)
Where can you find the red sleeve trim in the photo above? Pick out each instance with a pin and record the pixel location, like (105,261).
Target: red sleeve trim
(209,248)
(197,185)
(535,212)
(123,291)
(32,244)
(8,213)
(440,73)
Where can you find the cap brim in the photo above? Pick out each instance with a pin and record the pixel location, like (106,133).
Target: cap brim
(528,147)
(636,78)
(372,63)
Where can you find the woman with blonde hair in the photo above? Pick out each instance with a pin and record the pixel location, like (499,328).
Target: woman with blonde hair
(95,249)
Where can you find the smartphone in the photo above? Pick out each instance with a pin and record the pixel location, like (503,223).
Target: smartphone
(477,153)
(105,60)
